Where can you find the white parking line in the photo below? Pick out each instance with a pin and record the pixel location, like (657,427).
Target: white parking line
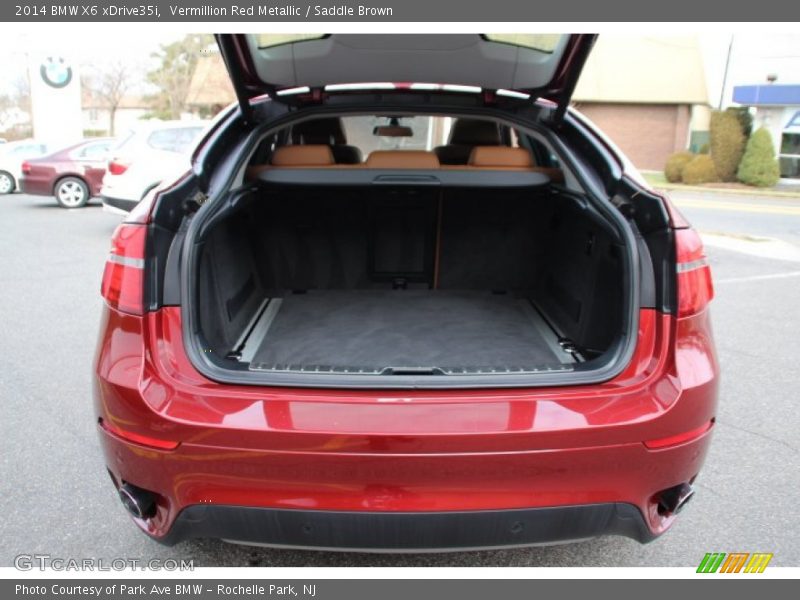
(786,275)
(762,247)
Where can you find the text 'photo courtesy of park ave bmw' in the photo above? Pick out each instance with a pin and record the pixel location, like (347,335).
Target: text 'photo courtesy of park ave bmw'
(324,337)
(389,299)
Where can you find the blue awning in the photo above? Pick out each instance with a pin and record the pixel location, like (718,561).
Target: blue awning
(767,95)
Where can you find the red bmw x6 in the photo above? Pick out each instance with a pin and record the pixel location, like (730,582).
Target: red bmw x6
(444,313)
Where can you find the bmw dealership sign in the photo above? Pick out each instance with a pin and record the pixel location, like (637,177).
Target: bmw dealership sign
(56,72)
(55,98)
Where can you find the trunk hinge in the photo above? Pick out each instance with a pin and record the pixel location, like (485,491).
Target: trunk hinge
(624,206)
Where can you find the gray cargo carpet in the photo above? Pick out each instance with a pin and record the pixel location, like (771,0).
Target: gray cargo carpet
(372,330)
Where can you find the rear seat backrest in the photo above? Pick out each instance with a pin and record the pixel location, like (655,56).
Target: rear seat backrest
(328,131)
(502,157)
(311,155)
(464,136)
(498,158)
(511,159)
(402,159)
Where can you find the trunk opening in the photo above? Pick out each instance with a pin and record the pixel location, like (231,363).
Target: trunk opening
(409,281)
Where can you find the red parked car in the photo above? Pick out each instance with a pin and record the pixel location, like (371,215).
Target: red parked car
(72,175)
(488,332)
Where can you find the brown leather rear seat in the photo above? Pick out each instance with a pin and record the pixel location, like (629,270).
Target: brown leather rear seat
(328,131)
(505,158)
(312,156)
(501,157)
(496,158)
(309,155)
(402,159)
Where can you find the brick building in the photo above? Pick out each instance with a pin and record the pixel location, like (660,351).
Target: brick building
(648,94)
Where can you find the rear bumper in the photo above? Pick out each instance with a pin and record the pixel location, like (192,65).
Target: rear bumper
(254,464)
(408,532)
(263,496)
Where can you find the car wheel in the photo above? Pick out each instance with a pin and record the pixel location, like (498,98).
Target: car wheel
(71,192)
(7,183)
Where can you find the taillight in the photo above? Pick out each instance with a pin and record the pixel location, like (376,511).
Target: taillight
(695,289)
(26,168)
(117,167)
(123,277)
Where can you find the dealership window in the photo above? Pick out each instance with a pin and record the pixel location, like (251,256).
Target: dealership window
(790,155)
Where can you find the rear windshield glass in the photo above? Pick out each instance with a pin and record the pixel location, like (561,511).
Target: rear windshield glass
(427,132)
(353,138)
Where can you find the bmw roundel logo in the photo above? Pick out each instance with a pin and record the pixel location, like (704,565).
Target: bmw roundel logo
(56,72)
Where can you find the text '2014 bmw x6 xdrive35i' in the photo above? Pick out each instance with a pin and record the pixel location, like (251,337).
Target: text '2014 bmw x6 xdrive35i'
(405,316)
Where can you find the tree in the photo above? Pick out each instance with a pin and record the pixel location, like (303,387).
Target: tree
(727,144)
(172,77)
(759,166)
(109,83)
(744,117)
(15,109)
(21,93)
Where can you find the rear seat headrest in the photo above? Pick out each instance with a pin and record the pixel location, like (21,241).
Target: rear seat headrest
(312,155)
(402,159)
(501,157)
(474,132)
(328,130)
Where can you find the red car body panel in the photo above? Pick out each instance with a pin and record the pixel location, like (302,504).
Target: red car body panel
(43,173)
(408,450)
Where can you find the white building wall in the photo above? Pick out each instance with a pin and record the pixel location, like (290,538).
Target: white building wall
(773,119)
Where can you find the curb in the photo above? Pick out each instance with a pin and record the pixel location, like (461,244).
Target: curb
(745,192)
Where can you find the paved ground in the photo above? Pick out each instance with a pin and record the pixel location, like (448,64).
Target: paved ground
(56,498)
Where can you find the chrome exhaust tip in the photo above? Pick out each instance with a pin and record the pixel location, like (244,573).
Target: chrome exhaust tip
(672,500)
(138,502)
(683,500)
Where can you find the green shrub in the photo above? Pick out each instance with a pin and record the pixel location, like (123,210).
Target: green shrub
(744,117)
(759,166)
(703,149)
(727,144)
(675,164)
(700,169)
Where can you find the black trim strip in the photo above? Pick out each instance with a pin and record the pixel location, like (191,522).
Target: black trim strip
(403,177)
(408,531)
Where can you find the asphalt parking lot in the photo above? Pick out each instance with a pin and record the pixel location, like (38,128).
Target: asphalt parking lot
(56,498)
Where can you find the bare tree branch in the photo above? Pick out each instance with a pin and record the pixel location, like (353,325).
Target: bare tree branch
(109,84)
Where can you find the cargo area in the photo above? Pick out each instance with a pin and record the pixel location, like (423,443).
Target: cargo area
(408,280)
